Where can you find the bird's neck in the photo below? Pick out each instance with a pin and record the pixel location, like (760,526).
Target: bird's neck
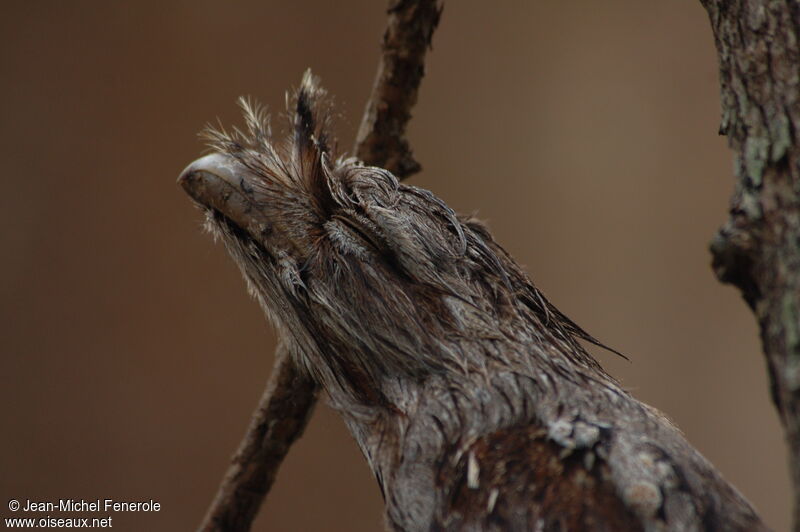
(430,427)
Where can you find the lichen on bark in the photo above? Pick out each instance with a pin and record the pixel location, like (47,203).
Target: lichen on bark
(758,247)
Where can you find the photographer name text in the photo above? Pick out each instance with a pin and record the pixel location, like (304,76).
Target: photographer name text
(95,505)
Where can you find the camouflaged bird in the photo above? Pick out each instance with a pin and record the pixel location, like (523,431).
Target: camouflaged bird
(468,392)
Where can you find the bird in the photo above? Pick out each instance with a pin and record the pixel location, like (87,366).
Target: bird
(471,396)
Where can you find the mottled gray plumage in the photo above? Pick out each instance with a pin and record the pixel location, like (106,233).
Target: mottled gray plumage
(468,392)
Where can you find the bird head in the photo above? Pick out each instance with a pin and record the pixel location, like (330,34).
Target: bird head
(372,280)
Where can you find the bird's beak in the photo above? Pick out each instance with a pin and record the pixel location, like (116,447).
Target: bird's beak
(220,182)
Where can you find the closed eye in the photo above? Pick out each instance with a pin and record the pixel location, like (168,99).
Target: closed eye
(354,234)
(360,229)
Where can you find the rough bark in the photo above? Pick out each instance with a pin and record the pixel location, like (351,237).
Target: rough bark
(758,248)
(278,421)
(381,138)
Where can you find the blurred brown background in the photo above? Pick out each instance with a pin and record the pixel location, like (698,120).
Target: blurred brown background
(131,355)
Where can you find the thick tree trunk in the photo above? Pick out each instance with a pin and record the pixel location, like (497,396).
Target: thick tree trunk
(758,248)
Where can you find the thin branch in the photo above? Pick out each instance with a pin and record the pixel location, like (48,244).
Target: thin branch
(381,138)
(290,396)
(278,421)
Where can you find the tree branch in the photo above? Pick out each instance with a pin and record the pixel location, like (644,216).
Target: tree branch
(381,138)
(278,421)
(290,396)
(758,248)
